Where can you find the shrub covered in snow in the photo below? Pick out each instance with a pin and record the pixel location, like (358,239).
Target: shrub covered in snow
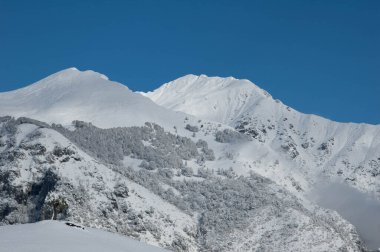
(192,128)
(158,149)
(230,136)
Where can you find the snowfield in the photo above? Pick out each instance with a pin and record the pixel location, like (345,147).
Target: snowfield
(59,237)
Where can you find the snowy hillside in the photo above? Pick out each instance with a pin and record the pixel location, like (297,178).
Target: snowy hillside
(59,237)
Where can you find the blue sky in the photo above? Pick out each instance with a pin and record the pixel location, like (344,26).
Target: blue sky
(320,57)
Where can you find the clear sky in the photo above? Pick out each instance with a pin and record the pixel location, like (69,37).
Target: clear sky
(320,57)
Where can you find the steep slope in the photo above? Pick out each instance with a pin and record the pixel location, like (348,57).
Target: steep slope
(293,149)
(56,236)
(75,95)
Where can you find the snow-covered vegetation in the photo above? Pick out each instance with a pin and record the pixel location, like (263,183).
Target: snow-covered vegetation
(150,143)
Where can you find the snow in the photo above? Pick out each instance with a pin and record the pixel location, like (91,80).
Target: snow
(57,236)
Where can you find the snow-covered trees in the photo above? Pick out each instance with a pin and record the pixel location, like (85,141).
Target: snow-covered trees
(187,171)
(192,128)
(121,190)
(230,136)
(158,149)
(58,205)
(222,204)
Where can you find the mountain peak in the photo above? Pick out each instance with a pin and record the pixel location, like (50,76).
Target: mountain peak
(214,98)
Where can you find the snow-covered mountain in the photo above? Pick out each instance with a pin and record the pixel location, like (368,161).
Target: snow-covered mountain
(210,164)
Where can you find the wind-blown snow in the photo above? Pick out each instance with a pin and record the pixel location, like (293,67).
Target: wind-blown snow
(57,236)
